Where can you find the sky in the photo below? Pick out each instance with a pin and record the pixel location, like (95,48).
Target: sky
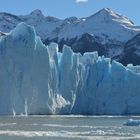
(67,8)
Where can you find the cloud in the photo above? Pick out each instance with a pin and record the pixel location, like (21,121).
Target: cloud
(79,1)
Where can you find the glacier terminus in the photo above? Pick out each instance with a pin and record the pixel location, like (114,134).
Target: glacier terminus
(38,79)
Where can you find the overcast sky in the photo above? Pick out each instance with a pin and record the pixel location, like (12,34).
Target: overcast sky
(67,8)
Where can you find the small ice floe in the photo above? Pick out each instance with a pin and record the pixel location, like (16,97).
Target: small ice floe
(131,122)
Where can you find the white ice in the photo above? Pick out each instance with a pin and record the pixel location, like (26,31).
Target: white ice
(132,122)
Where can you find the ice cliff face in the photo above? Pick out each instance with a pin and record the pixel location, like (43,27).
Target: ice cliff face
(37,79)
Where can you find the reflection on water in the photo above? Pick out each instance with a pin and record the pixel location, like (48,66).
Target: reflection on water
(67,127)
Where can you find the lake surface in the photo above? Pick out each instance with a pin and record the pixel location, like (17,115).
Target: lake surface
(67,128)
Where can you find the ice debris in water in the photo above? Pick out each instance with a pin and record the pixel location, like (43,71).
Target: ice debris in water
(132,122)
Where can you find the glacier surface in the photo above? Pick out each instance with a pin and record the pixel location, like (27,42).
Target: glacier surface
(37,79)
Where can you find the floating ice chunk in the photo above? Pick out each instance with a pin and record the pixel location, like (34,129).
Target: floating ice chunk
(132,122)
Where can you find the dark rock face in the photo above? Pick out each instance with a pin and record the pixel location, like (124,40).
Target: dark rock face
(131,53)
(88,43)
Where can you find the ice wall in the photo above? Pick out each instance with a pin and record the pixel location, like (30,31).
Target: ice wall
(37,79)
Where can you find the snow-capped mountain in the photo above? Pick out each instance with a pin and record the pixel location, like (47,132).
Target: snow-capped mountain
(105,31)
(105,24)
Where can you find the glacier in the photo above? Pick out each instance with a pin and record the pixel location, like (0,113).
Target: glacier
(38,80)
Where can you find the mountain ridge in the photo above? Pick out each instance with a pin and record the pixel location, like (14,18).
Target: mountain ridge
(88,24)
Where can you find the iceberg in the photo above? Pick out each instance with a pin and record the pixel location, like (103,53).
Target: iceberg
(37,79)
(132,122)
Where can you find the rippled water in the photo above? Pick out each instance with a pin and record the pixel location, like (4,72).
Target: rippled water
(67,127)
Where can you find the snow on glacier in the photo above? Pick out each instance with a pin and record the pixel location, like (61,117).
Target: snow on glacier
(37,79)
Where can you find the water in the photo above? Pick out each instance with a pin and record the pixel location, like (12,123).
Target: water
(67,128)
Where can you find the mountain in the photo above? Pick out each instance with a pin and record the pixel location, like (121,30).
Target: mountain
(105,31)
(37,79)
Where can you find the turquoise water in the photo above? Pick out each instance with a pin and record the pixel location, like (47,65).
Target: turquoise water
(67,127)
